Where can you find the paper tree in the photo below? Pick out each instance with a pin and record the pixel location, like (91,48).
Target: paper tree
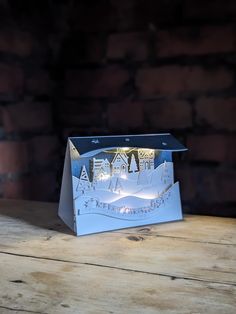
(133,165)
(84,176)
(107,185)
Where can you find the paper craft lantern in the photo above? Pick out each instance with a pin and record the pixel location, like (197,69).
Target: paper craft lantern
(114,182)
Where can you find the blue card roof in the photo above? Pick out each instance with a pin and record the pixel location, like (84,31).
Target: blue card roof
(154,141)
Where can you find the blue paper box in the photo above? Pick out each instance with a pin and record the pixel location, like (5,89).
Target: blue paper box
(114,182)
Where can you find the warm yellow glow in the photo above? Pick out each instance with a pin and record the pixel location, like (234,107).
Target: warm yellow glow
(104,177)
(148,150)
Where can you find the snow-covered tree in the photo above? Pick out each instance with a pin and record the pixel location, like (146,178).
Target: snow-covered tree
(84,174)
(84,179)
(133,165)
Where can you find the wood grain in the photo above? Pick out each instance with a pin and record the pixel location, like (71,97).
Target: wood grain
(59,287)
(182,267)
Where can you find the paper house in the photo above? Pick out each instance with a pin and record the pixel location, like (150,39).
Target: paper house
(114,182)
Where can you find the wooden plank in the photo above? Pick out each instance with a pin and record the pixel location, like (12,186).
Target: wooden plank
(196,228)
(173,258)
(30,285)
(178,257)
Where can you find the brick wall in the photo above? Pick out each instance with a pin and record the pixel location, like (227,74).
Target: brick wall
(116,67)
(29,145)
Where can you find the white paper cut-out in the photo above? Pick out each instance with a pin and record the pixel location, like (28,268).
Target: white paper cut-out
(113,186)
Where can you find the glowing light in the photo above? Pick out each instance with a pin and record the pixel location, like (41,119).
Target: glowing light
(104,177)
(148,150)
(149,196)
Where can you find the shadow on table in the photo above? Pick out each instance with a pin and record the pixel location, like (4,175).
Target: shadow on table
(43,215)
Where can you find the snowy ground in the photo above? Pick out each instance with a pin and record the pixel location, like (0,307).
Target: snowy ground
(136,198)
(168,208)
(139,199)
(144,185)
(131,205)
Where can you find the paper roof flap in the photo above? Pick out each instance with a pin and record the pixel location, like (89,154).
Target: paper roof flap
(154,141)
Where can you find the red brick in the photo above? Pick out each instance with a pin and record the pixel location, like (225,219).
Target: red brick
(16,42)
(226,182)
(216,185)
(27,116)
(176,79)
(154,13)
(14,157)
(106,82)
(19,189)
(84,48)
(81,114)
(92,130)
(131,45)
(39,83)
(44,150)
(216,112)
(1,188)
(184,174)
(79,106)
(195,41)
(95,51)
(205,10)
(168,115)
(219,148)
(44,186)
(40,187)
(206,185)
(11,79)
(124,14)
(125,115)
(1,120)
(131,14)
(89,18)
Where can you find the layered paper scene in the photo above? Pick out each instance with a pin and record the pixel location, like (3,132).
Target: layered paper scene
(122,181)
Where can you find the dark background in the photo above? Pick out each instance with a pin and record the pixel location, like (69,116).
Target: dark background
(119,67)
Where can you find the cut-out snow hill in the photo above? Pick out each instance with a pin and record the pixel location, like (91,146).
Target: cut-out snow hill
(131,202)
(158,207)
(104,196)
(145,185)
(159,180)
(164,172)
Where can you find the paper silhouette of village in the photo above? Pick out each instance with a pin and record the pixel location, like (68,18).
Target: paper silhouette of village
(123,183)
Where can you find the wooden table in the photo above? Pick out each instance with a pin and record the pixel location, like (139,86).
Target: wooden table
(181,267)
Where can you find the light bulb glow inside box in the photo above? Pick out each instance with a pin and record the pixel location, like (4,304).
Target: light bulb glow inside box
(114,182)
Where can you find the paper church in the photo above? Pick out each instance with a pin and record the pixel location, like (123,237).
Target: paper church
(114,182)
